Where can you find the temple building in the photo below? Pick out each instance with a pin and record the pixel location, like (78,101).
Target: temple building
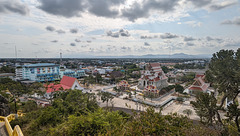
(123,85)
(153,75)
(151,90)
(199,84)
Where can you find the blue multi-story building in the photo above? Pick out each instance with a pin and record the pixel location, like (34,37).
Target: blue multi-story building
(72,73)
(41,72)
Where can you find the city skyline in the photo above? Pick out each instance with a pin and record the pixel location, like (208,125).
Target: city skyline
(85,28)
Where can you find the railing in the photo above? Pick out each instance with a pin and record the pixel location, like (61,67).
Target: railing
(17,130)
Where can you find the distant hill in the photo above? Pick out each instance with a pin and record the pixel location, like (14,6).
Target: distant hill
(177,55)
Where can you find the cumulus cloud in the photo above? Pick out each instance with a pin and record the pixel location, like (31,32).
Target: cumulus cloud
(190,44)
(77,40)
(113,34)
(168,36)
(74,30)
(200,3)
(124,48)
(142,10)
(235,44)
(186,39)
(107,8)
(124,33)
(13,6)
(235,21)
(50,28)
(222,5)
(71,8)
(104,8)
(54,41)
(208,38)
(60,31)
(121,8)
(146,44)
(121,32)
(145,37)
(84,46)
(66,8)
(89,41)
(72,44)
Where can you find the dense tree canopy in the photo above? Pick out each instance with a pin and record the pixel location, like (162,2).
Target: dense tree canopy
(76,113)
(224,76)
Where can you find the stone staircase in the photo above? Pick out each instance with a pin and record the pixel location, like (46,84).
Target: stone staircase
(3,130)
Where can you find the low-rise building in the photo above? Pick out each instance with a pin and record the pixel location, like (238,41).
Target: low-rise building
(72,73)
(38,72)
(66,83)
(7,75)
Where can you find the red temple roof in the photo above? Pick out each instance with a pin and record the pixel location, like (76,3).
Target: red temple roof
(154,64)
(65,83)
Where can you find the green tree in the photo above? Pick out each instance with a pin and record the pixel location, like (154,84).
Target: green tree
(188,112)
(106,97)
(205,107)
(179,88)
(224,75)
(29,106)
(98,78)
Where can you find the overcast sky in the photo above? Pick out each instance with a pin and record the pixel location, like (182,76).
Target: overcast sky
(83,28)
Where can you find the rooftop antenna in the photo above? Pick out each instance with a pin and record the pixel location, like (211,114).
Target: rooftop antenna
(60,58)
(15,55)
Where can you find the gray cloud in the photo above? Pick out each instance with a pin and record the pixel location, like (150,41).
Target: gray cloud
(145,37)
(146,44)
(72,44)
(115,34)
(84,46)
(74,30)
(200,3)
(124,33)
(66,8)
(121,32)
(60,31)
(89,41)
(222,6)
(77,40)
(13,6)
(71,8)
(124,48)
(104,7)
(208,38)
(186,39)
(190,44)
(168,36)
(235,21)
(142,10)
(54,41)
(219,40)
(235,44)
(50,28)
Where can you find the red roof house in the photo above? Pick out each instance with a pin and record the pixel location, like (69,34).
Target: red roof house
(65,83)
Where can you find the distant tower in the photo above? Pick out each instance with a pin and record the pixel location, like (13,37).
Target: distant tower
(16,55)
(60,58)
